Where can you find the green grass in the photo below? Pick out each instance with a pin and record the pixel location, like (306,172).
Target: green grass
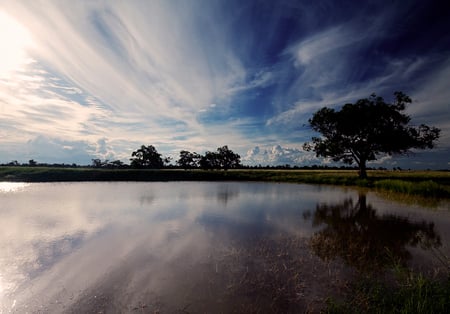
(426,188)
(423,183)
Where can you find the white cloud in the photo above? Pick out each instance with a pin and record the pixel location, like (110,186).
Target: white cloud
(125,67)
(328,41)
(278,155)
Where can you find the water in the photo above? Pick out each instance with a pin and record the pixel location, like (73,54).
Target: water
(201,247)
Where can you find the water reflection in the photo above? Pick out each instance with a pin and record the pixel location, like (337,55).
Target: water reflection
(355,232)
(173,247)
(227,192)
(8,187)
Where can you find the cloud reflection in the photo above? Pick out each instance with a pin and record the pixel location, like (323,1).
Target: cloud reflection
(87,247)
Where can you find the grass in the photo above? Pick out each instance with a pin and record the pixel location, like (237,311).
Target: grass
(424,188)
(416,294)
(406,292)
(424,183)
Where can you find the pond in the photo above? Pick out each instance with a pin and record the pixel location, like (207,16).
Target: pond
(190,247)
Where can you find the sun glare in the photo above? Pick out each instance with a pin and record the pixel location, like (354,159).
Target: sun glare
(7,187)
(14,39)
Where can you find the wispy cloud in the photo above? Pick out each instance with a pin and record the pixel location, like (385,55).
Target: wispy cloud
(140,70)
(196,75)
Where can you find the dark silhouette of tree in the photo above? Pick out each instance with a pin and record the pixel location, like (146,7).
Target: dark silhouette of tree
(147,157)
(32,163)
(228,159)
(97,163)
(224,158)
(209,161)
(365,240)
(115,164)
(371,127)
(188,160)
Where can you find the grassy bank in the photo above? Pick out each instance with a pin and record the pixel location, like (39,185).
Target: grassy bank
(424,183)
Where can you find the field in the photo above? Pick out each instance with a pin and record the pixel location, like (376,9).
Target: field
(424,183)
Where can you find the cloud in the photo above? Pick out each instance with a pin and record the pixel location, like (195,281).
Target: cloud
(190,75)
(278,155)
(123,72)
(133,62)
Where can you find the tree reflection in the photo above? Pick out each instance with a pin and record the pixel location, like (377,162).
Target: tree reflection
(355,233)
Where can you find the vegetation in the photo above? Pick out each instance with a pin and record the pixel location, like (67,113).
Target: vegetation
(424,183)
(147,157)
(371,127)
(224,158)
(188,160)
(408,293)
(378,246)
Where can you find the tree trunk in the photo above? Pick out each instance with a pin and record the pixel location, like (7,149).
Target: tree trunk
(362,169)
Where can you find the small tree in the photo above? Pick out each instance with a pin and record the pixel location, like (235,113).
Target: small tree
(116,164)
(97,163)
(371,127)
(32,163)
(146,157)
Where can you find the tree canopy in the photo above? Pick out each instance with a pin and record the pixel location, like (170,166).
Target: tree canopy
(363,131)
(224,158)
(146,157)
(188,160)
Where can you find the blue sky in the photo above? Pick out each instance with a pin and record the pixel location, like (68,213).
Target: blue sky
(97,79)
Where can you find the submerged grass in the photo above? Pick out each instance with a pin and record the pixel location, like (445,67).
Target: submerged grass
(416,294)
(405,292)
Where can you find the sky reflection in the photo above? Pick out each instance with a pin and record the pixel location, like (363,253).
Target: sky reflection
(109,246)
(6,187)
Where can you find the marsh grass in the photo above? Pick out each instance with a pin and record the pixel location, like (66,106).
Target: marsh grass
(426,188)
(415,295)
(403,292)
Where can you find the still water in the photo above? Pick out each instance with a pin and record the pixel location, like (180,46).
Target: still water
(189,247)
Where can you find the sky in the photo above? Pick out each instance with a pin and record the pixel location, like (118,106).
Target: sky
(97,79)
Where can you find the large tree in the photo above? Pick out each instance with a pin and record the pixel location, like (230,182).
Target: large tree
(224,158)
(188,160)
(147,157)
(363,131)
(228,158)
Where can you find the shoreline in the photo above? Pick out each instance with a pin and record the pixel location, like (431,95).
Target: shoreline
(430,184)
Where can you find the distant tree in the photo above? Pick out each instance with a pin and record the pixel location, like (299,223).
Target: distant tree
(224,158)
(188,160)
(147,157)
(32,163)
(209,161)
(363,131)
(115,164)
(97,163)
(228,159)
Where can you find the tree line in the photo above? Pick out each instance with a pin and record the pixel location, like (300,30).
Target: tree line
(147,157)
